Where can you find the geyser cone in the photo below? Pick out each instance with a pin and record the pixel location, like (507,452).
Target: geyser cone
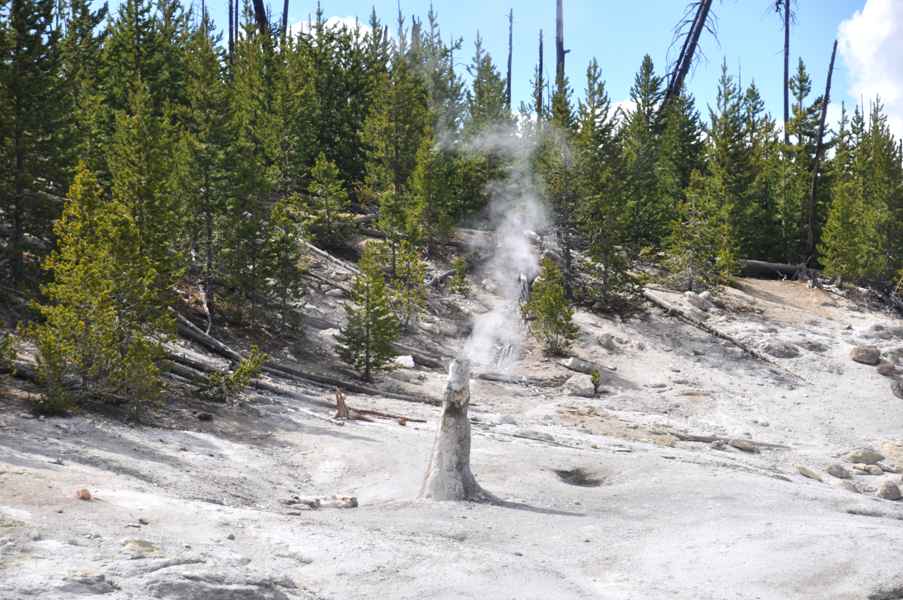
(449,476)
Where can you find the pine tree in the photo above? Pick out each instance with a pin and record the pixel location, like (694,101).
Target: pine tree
(140,160)
(486,104)
(328,203)
(105,312)
(600,211)
(32,132)
(701,251)
(283,250)
(365,342)
(200,166)
(408,286)
(646,218)
(551,315)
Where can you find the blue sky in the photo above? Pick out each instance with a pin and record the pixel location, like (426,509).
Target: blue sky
(619,33)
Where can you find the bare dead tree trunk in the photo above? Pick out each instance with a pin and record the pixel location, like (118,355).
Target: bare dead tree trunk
(231,29)
(539,81)
(559,44)
(260,16)
(449,476)
(284,19)
(510,41)
(685,60)
(819,150)
(786,71)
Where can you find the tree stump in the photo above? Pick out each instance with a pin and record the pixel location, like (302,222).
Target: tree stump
(448,476)
(341,408)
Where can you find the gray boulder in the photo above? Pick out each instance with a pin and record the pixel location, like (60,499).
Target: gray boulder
(581,385)
(867,355)
(896,386)
(889,491)
(779,349)
(839,471)
(867,456)
(579,365)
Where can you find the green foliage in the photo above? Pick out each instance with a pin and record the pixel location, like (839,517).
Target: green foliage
(284,258)
(105,315)
(486,105)
(7,353)
(701,251)
(408,286)
(365,342)
(458,283)
(228,386)
(327,202)
(551,315)
(858,239)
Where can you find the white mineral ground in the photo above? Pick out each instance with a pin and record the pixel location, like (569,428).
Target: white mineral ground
(200,514)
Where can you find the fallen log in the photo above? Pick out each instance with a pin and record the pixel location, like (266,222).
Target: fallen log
(191,331)
(684,316)
(331,258)
(329,282)
(440,278)
(739,443)
(772,270)
(544,382)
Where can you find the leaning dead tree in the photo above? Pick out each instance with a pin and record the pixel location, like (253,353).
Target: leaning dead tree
(783,8)
(691,36)
(819,151)
(510,40)
(559,45)
(449,476)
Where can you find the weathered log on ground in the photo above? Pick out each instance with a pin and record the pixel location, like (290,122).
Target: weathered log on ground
(684,316)
(448,476)
(772,270)
(440,278)
(544,382)
(329,282)
(336,261)
(192,332)
(734,442)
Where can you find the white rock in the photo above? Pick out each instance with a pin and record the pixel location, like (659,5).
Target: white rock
(405,361)
(839,471)
(329,334)
(581,385)
(889,491)
(579,365)
(698,301)
(868,456)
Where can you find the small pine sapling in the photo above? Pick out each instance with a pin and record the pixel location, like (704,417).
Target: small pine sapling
(551,315)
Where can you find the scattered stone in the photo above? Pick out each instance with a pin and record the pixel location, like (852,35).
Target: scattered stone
(83,494)
(405,361)
(807,472)
(607,341)
(868,456)
(507,420)
(335,293)
(402,421)
(581,385)
(845,484)
(136,548)
(143,521)
(874,470)
(896,386)
(888,468)
(698,301)
(579,365)
(231,537)
(744,445)
(813,346)
(717,445)
(887,369)
(329,334)
(205,416)
(861,468)
(93,585)
(867,355)
(780,349)
(889,491)
(839,471)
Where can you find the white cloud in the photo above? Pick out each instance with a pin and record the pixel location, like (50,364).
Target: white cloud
(871,44)
(349,23)
(626,107)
